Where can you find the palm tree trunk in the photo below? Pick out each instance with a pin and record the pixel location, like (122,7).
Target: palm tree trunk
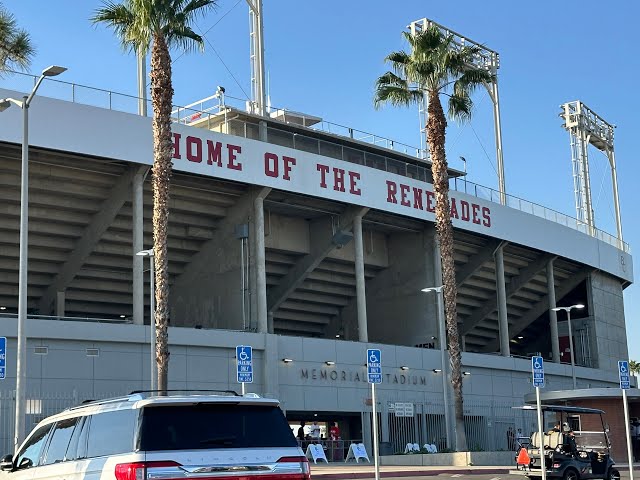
(162,100)
(436,130)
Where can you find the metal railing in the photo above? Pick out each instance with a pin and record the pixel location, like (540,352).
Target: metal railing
(210,108)
(71,319)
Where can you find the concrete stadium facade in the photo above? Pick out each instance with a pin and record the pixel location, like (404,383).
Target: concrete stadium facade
(308,246)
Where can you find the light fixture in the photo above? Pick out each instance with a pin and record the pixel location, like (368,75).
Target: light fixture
(4,104)
(404,367)
(436,370)
(337,335)
(287,360)
(315,414)
(466,373)
(146,253)
(330,362)
(520,337)
(433,338)
(53,71)
(3,308)
(123,316)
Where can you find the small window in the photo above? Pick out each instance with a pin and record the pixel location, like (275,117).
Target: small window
(29,456)
(60,437)
(111,433)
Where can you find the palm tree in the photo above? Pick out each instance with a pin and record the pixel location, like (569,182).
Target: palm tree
(634,369)
(433,67)
(15,44)
(158,25)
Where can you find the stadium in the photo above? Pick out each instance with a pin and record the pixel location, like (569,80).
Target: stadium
(306,244)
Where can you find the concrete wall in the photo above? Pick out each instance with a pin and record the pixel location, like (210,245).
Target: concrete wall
(398,312)
(607,307)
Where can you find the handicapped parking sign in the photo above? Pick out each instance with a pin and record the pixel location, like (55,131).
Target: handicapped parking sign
(623,371)
(244,361)
(374,365)
(3,357)
(537,370)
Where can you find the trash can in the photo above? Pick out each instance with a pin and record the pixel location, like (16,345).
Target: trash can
(385,448)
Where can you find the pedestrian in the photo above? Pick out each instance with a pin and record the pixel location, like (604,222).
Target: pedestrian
(301,433)
(334,432)
(635,439)
(314,433)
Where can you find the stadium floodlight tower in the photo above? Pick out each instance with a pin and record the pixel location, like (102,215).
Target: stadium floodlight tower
(585,127)
(486,59)
(256,34)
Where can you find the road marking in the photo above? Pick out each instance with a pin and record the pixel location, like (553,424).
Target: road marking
(456,475)
(495,478)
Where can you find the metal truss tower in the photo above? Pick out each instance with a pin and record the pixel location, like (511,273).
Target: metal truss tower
(586,128)
(486,59)
(256,35)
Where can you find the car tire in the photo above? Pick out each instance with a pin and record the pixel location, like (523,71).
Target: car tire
(613,474)
(571,474)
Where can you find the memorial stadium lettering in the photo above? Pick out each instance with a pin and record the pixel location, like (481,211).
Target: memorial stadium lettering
(347,376)
(314,177)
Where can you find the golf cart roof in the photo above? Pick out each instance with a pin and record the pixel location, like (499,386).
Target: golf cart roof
(562,408)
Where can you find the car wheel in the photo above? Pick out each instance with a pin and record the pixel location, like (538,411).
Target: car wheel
(614,474)
(571,474)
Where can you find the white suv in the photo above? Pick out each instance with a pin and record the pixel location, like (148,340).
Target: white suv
(141,437)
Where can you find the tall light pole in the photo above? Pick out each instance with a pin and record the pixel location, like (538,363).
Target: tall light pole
(443,359)
(21,360)
(152,313)
(573,360)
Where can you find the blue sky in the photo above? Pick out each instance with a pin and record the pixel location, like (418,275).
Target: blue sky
(323,58)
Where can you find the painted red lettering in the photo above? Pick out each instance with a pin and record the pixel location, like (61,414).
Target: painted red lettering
(176,145)
(323,169)
(233,149)
(486,214)
(404,190)
(338,179)
(475,208)
(392,189)
(271,164)
(464,210)
(353,187)
(454,209)
(197,156)
(288,162)
(430,198)
(214,153)
(417,198)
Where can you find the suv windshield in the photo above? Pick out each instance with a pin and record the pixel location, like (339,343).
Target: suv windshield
(214,425)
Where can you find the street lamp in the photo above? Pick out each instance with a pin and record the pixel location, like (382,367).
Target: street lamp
(21,360)
(443,345)
(152,312)
(573,361)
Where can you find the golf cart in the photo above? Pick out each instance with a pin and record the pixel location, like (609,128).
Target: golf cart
(566,453)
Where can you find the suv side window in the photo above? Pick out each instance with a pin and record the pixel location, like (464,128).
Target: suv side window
(29,456)
(111,433)
(59,441)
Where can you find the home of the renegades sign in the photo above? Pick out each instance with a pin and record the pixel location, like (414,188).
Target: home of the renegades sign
(281,167)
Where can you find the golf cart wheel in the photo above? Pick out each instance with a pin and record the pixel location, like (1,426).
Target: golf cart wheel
(614,474)
(571,474)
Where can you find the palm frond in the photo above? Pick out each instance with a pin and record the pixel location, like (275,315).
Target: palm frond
(121,18)
(184,37)
(398,61)
(470,80)
(396,96)
(460,107)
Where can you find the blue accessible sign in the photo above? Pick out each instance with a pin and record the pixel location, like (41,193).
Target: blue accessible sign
(374,366)
(623,370)
(244,360)
(537,369)
(3,357)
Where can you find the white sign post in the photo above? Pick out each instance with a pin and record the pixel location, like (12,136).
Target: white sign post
(244,362)
(374,375)
(537,372)
(625,384)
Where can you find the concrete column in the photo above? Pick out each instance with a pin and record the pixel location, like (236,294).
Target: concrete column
(270,322)
(138,244)
(59,304)
(553,317)
(502,303)
(261,274)
(271,367)
(361,297)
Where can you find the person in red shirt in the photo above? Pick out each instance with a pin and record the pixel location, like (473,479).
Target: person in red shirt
(334,431)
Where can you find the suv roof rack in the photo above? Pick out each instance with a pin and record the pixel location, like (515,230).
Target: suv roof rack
(186,391)
(124,398)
